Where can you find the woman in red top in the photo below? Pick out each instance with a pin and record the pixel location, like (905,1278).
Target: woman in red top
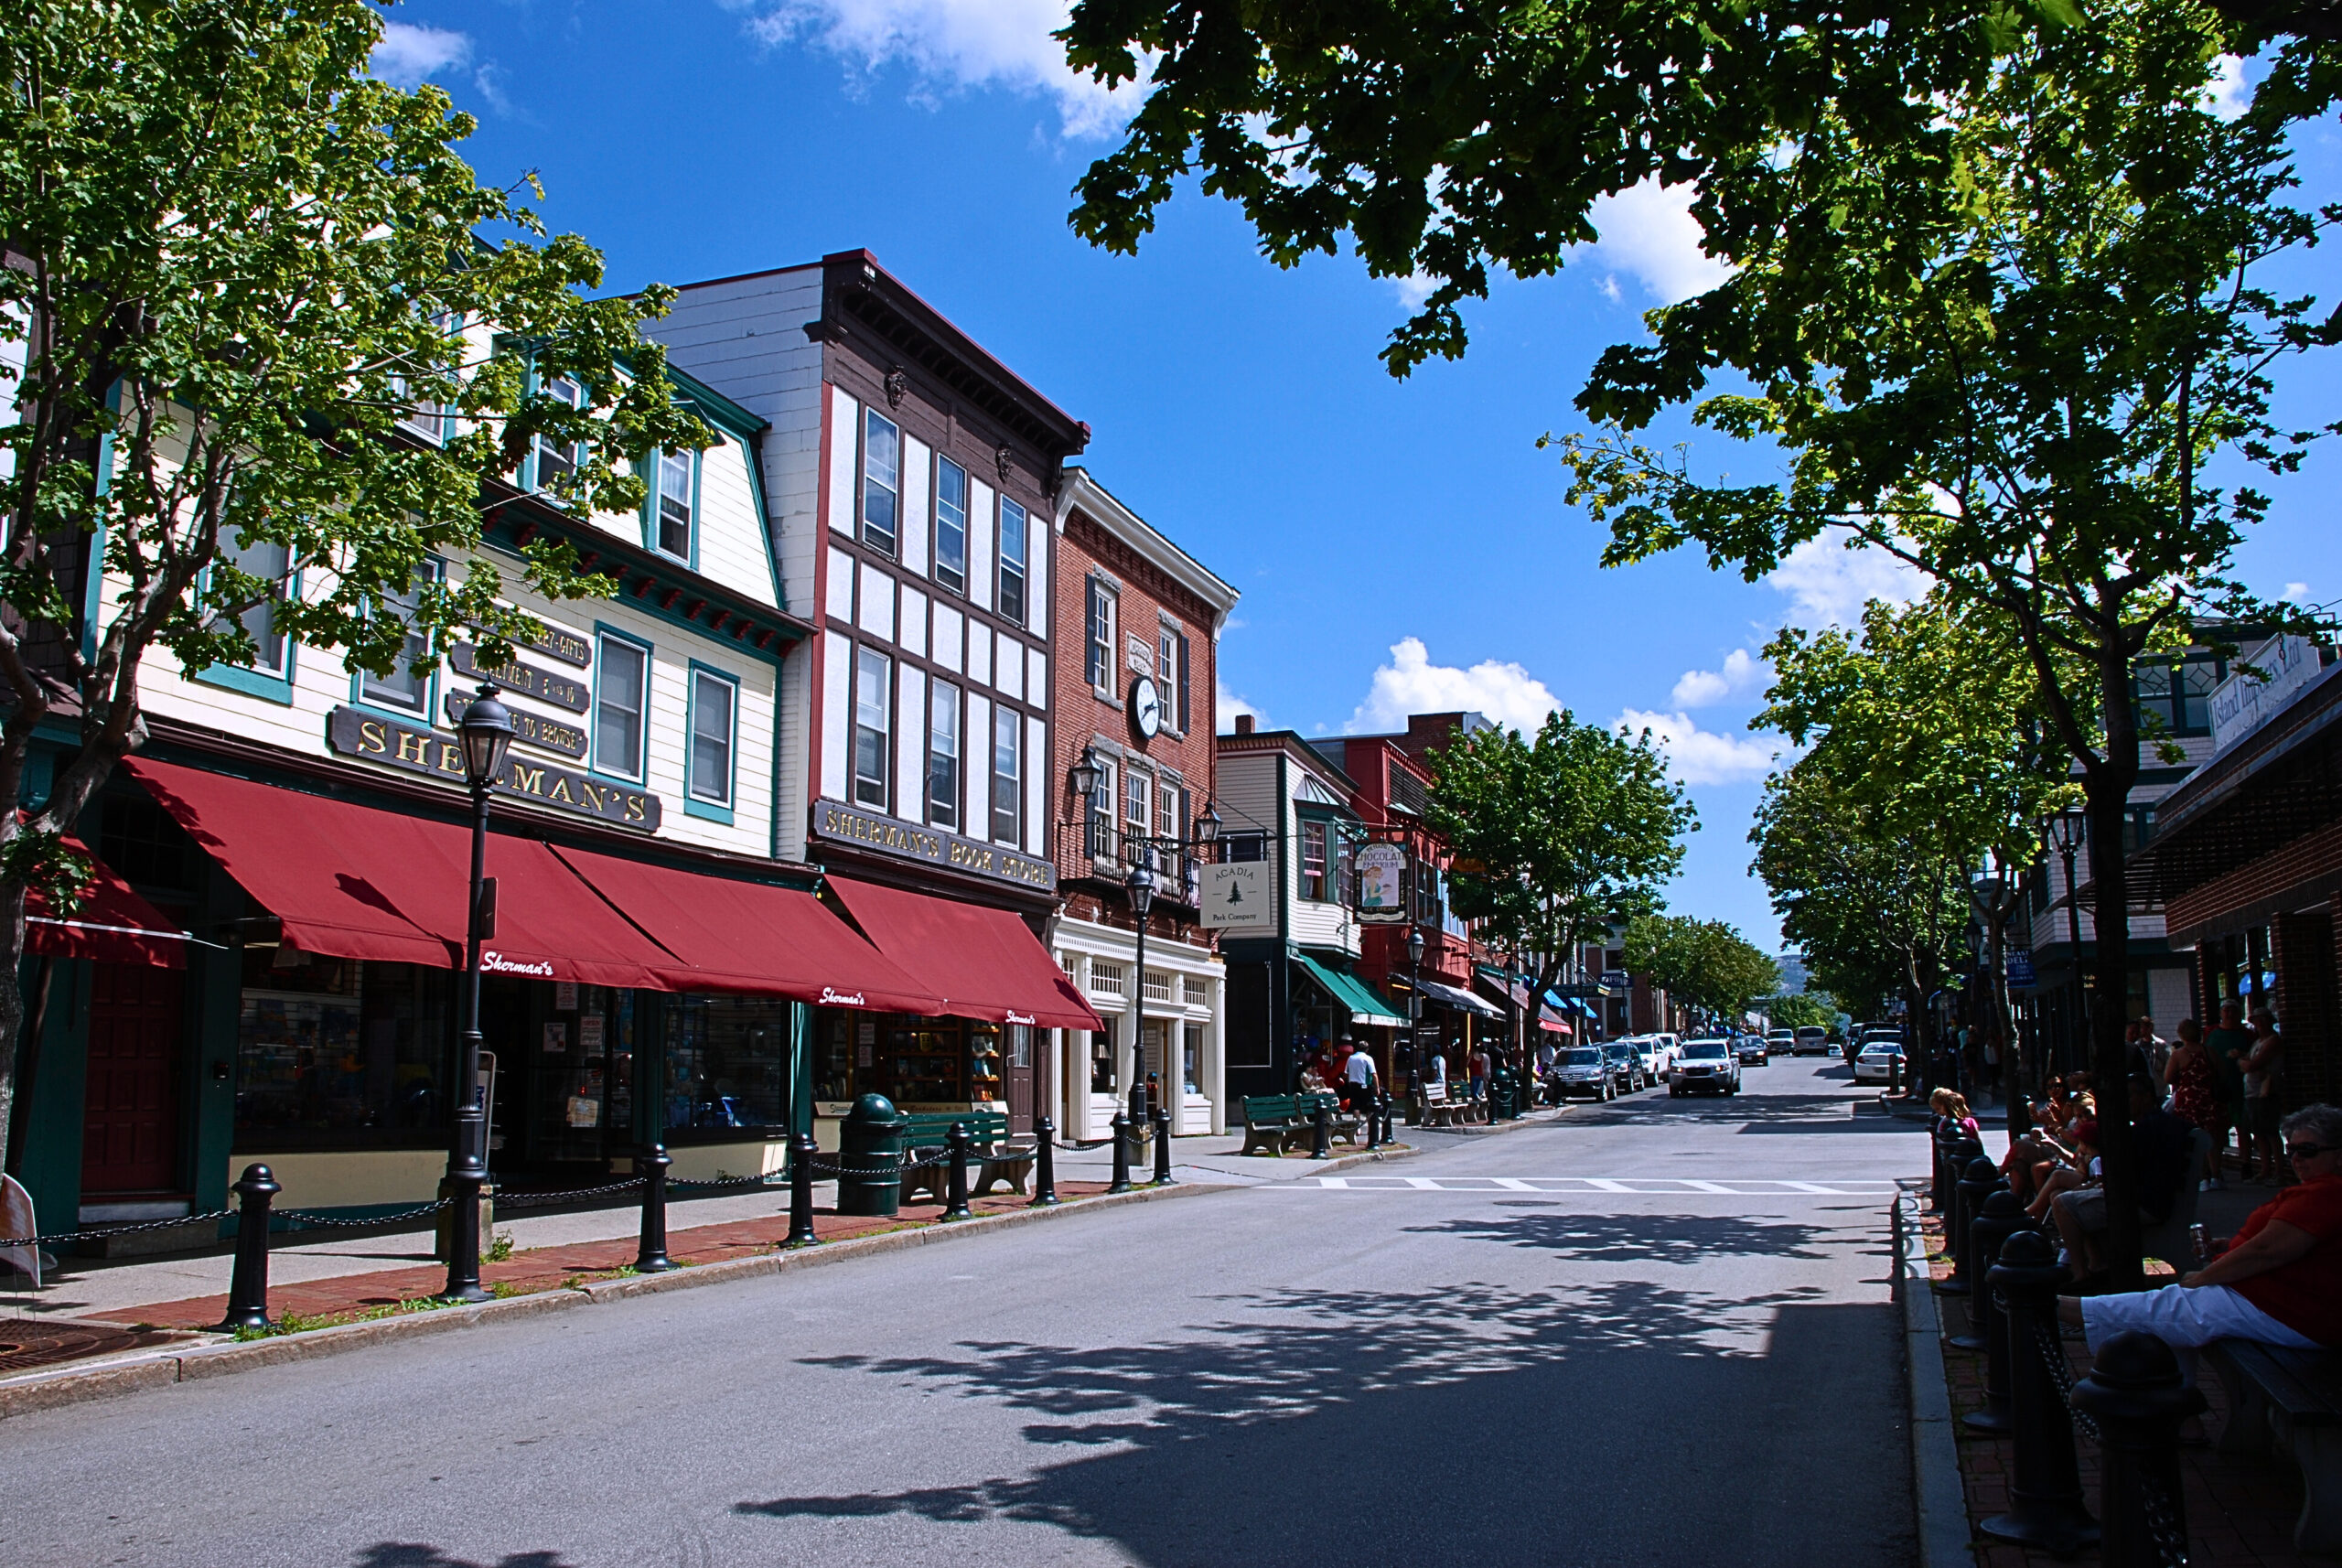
(2196,1086)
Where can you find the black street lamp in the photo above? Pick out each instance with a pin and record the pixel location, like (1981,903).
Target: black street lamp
(1415,1003)
(2067,831)
(486,730)
(1140,886)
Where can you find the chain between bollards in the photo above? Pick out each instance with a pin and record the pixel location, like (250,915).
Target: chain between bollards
(248,1286)
(1045,1163)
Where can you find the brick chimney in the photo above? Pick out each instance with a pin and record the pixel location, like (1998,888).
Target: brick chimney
(1243,723)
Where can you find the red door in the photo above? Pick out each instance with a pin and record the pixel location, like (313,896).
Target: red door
(1019,1045)
(130,1122)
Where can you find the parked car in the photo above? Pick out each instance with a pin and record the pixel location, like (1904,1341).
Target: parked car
(1664,1048)
(1705,1066)
(1584,1073)
(1781,1042)
(1646,1051)
(1876,1062)
(1814,1040)
(1751,1051)
(1626,1068)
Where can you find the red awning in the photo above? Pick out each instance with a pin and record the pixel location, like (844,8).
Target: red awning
(986,963)
(1548,1019)
(750,938)
(351,881)
(113,925)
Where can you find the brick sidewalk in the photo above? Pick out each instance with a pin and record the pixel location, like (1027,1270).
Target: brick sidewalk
(2240,1510)
(315,1303)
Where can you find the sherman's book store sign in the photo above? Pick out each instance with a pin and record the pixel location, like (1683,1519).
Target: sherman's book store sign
(372,737)
(843,823)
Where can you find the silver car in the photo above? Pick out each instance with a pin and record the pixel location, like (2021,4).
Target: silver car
(1705,1066)
(1877,1062)
(1584,1073)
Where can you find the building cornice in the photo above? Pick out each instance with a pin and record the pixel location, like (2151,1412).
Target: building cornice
(1082,492)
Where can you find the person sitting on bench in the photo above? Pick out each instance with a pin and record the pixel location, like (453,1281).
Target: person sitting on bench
(2279,1282)
(2165,1143)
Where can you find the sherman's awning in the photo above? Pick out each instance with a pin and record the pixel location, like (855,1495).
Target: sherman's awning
(1463,1001)
(1351,992)
(113,924)
(982,963)
(351,881)
(751,939)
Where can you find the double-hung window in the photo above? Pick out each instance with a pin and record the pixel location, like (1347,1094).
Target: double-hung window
(408,685)
(270,561)
(716,702)
(952,525)
(1011,561)
(881,480)
(943,754)
(874,678)
(1138,796)
(556,458)
(1099,664)
(419,412)
(621,704)
(1168,678)
(1312,861)
(1101,812)
(672,527)
(1007,748)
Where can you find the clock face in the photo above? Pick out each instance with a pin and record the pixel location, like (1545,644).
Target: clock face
(1146,707)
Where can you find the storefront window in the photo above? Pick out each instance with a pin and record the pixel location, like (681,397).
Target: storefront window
(834,1052)
(580,1072)
(925,1061)
(727,1062)
(332,1046)
(1104,1079)
(984,1062)
(1191,1058)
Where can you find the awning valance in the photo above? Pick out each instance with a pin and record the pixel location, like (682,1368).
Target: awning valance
(981,963)
(112,925)
(1463,1001)
(1351,992)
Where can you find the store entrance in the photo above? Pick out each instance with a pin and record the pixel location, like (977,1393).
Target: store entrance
(563,1053)
(131,1105)
(1019,1077)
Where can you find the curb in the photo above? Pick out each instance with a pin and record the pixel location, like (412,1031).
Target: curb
(47,1391)
(1945,1538)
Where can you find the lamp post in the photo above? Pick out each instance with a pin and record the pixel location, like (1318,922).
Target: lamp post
(1140,886)
(2066,832)
(486,730)
(1416,1003)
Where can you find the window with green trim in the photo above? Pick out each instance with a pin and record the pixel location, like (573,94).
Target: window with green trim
(714,703)
(621,700)
(408,685)
(671,527)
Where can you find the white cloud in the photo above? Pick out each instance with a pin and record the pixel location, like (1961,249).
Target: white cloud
(1411,683)
(2229,94)
(952,45)
(1648,233)
(2296,592)
(1698,688)
(1702,757)
(409,55)
(1828,583)
(1414,289)
(1227,704)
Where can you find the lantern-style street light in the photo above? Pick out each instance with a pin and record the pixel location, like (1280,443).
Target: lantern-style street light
(486,731)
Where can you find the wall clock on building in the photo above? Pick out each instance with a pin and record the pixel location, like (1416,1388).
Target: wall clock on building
(1146,707)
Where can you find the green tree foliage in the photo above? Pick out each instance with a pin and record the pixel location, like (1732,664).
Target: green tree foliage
(235,263)
(1806,1010)
(1556,838)
(1704,964)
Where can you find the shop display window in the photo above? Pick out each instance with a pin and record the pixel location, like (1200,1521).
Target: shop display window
(835,1050)
(984,1062)
(925,1062)
(1104,1079)
(333,1045)
(727,1062)
(580,1103)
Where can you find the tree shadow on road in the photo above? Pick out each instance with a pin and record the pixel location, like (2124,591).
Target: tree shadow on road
(1637,1238)
(1404,1425)
(414,1554)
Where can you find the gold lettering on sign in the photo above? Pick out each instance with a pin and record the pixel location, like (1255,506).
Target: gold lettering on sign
(354,732)
(414,747)
(531,779)
(373,738)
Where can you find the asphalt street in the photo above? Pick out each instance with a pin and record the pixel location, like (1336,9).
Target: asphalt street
(1654,1332)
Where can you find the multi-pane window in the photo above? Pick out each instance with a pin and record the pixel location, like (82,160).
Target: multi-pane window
(1345,873)
(1138,791)
(1007,747)
(882,478)
(1312,861)
(426,416)
(1168,679)
(674,519)
(952,525)
(873,679)
(271,562)
(2177,697)
(1099,665)
(1170,821)
(713,703)
(620,692)
(556,458)
(1011,561)
(408,685)
(943,754)
(1101,812)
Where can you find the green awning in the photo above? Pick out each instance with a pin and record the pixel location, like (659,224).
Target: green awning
(1348,991)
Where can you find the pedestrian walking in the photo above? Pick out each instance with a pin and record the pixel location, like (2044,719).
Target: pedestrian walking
(1358,1075)
(2196,1092)
(2265,1078)
(1478,1064)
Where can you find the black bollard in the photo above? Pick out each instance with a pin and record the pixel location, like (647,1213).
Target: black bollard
(2045,1509)
(1939,1190)
(1988,1226)
(1382,1106)
(1373,1117)
(1895,1074)
(2137,1396)
(1955,1220)
(1163,1176)
(2003,1217)
(1321,1143)
(248,1286)
(1120,1126)
(1977,1181)
(802,1153)
(650,1257)
(1045,1163)
(955,1187)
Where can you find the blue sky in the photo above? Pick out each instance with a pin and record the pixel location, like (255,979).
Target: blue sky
(1401,546)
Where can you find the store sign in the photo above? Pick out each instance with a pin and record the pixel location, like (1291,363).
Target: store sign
(1381,883)
(527,728)
(2242,703)
(371,737)
(933,846)
(2020,962)
(1237,894)
(560,643)
(544,685)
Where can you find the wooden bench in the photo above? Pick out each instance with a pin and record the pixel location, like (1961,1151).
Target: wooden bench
(1344,1124)
(2288,1401)
(991,1157)
(1438,1111)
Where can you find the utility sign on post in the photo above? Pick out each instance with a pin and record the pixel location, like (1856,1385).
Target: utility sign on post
(1382,882)
(2020,960)
(1237,894)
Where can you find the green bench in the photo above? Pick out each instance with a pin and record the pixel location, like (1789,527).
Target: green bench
(991,1157)
(2288,1401)
(1275,1122)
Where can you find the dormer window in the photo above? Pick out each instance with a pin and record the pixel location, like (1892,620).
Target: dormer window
(674,519)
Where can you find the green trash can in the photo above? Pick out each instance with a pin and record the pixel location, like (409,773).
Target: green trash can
(870,1147)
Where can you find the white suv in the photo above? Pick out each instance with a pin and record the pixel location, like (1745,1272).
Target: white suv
(1707,1066)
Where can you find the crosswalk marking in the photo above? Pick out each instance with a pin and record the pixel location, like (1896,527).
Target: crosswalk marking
(1630,1186)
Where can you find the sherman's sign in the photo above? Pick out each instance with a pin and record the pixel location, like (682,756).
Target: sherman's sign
(544,685)
(371,737)
(908,841)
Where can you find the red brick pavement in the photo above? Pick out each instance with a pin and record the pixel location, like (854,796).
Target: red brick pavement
(2240,1510)
(315,1303)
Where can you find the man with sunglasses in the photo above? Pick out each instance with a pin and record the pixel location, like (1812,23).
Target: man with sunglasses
(2280,1280)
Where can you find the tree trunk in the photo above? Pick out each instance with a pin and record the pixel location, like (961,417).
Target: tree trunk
(2107,789)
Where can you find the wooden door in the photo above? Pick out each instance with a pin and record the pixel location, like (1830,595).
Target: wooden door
(1019,1076)
(130,1115)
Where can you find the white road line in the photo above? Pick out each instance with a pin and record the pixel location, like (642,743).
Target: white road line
(1600,1184)
(1706,1186)
(1424,1184)
(1581,1186)
(1512,1184)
